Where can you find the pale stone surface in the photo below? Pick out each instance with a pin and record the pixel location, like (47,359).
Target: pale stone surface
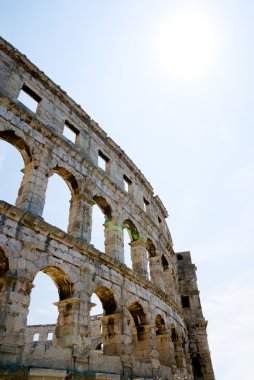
(150,328)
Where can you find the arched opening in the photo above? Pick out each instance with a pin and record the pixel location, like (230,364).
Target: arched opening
(130,235)
(139,331)
(164,263)
(160,325)
(101,215)
(11,164)
(151,252)
(179,257)
(51,288)
(178,349)
(96,312)
(107,299)
(57,202)
(103,321)
(97,236)
(127,248)
(42,310)
(139,318)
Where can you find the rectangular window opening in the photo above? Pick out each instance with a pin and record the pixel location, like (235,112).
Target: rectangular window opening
(70,132)
(146,204)
(127,183)
(36,337)
(185,301)
(29,98)
(159,220)
(50,336)
(102,161)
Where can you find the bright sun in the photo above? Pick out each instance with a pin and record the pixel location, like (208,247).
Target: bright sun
(187,44)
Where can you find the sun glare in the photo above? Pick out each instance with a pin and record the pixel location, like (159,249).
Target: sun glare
(187,44)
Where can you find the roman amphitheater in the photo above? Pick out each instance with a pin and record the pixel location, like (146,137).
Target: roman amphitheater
(152,326)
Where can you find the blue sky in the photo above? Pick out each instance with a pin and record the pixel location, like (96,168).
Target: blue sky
(186,123)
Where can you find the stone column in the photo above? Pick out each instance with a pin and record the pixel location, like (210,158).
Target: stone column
(80,217)
(146,346)
(168,282)
(114,245)
(14,302)
(139,257)
(179,355)
(163,348)
(127,343)
(67,329)
(31,196)
(156,272)
(112,334)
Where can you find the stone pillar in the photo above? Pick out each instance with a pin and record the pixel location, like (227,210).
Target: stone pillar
(80,217)
(112,334)
(114,245)
(139,257)
(199,350)
(156,272)
(163,348)
(168,282)
(14,302)
(179,355)
(67,329)
(31,196)
(127,343)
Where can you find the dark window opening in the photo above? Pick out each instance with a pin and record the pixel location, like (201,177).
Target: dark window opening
(179,257)
(164,263)
(196,363)
(70,132)
(159,220)
(185,301)
(146,204)
(127,183)
(103,161)
(29,98)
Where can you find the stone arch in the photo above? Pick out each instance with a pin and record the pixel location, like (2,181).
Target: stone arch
(70,189)
(132,229)
(139,318)
(150,247)
(141,334)
(68,177)
(68,307)
(61,280)
(160,325)
(104,206)
(133,257)
(22,193)
(164,263)
(110,321)
(107,299)
(102,225)
(19,143)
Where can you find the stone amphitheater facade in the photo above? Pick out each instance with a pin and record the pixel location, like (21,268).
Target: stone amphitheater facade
(152,326)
